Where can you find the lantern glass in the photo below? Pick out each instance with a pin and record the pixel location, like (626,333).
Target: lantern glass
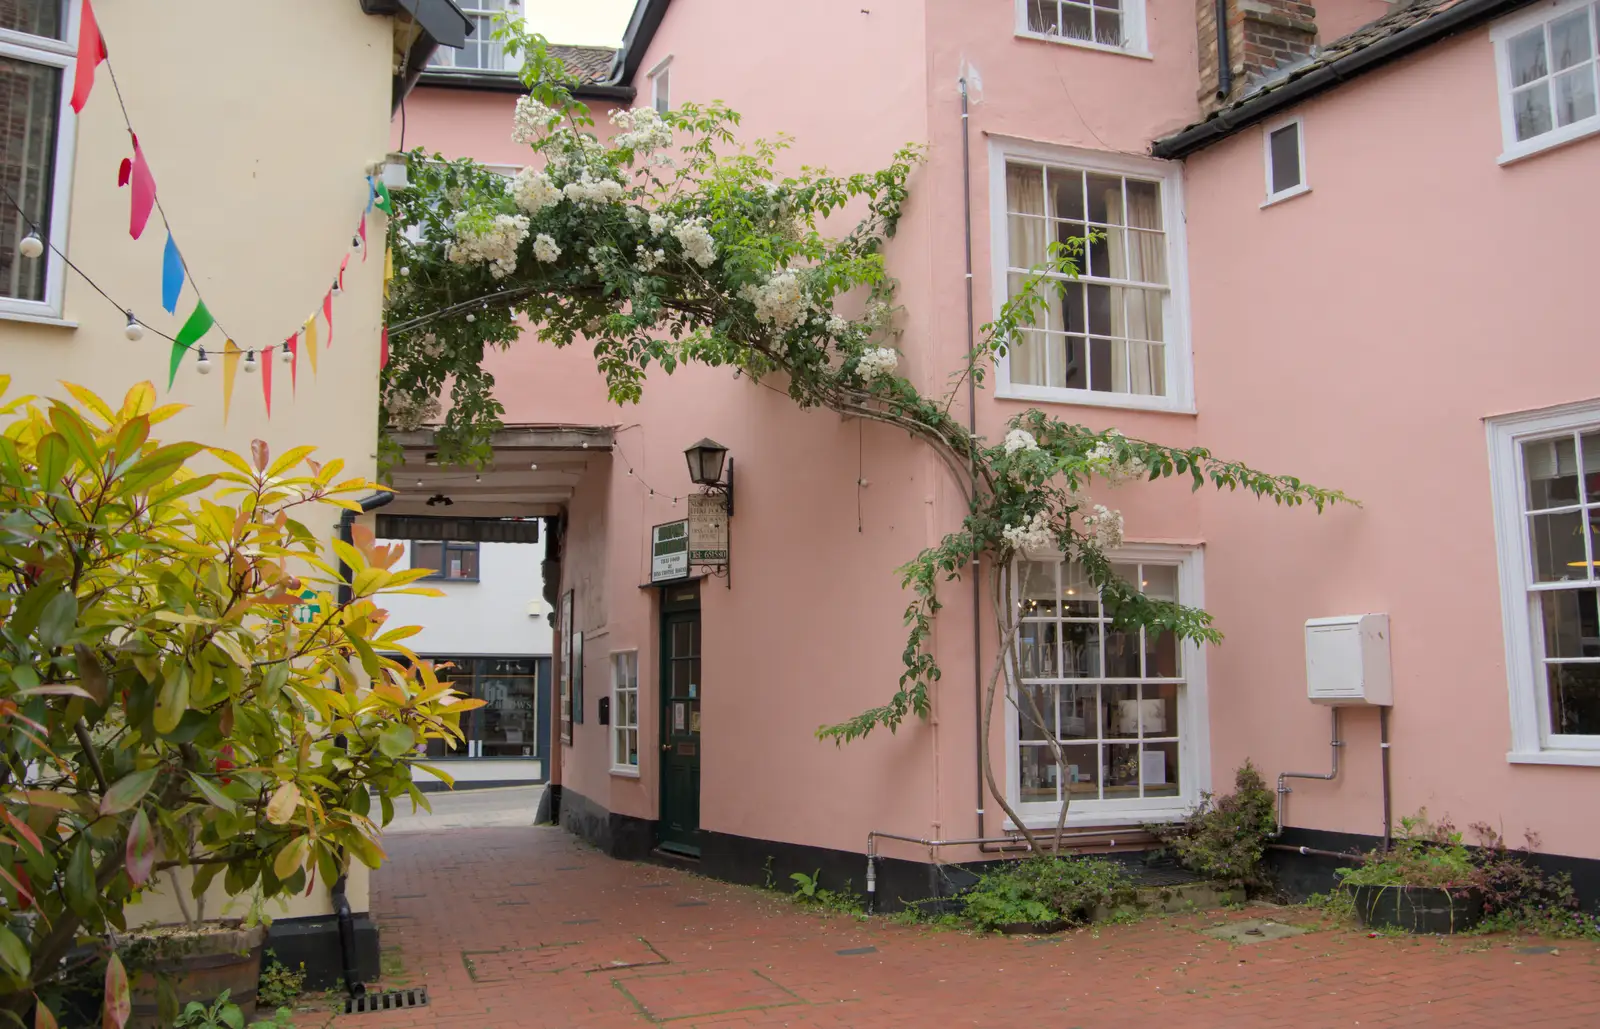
(705,462)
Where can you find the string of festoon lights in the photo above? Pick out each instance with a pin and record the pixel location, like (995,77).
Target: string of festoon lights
(135,174)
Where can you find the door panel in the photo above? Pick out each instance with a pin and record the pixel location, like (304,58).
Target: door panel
(679,826)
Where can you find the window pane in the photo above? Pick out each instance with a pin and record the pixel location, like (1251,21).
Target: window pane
(1159,709)
(1531,111)
(1144,204)
(1108,365)
(1575,699)
(1036,712)
(1105,254)
(1068,310)
(1147,257)
(1076,22)
(1557,542)
(427,555)
(1080,650)
(1026,355)
(1079,716)
(1571,628)
(1284,146)
(1024,189)
(1037,650)
(1042,16)
(1079,599)
(1121,711)
(1037,774)
(1591,465)
(1083,765)
(1122,654)
(1158,768)
(35,17)
(1527,57)
(1103,300)
(1028,238)
(1107,28)
(30,99)
(463,562)
(1569,40)
(1072,364)
(1161,659)
(1105,198)
(1122,771)
(1550,467)
(1066,194)
(1160,581)
(1575,99)
(1037,587)
(1072,235)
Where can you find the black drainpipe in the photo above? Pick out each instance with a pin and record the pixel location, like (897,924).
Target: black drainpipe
(1224,61)
(972,427)
(341,903)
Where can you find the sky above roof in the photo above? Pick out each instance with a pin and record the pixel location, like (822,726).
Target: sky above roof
(580,22)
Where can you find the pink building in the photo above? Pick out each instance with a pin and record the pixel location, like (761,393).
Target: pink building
(1338,261)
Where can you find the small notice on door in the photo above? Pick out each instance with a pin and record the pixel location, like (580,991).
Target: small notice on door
(694,722)
(678,709)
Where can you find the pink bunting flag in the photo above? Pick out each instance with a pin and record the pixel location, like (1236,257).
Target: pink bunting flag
(383,348)
(91,51)
(139,177)
(361,231)
(266,380)
(327,312)
(343,267)
(293,343)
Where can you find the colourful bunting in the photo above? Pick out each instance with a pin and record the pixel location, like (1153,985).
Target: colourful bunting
(193,330)
(383,349)
(311,342)
(384,202)
(388,269)
(91,51)
(266,381)
(230,367)
(171,275)
(143,183)
(327,311)
(361,231)
(371,194)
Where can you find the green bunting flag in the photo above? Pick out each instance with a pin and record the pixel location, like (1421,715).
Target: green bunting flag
(197,326)
(384,203)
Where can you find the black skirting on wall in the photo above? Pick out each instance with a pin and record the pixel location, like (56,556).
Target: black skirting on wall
(313,943)
(620,836)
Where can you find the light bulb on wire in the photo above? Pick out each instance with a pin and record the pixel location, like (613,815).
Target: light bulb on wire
(134,331)
(250,363)
(338,290)
(30,245)
(203,363)
(285,354)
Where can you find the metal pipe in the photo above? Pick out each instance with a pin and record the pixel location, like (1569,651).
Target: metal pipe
(1284,791)
(972,428)
(1224,59)
(1383,738)
(1313,851)
(874,836)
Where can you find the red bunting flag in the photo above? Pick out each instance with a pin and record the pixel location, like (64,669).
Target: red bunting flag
(91,51)
(293,343)
(266,380)
(143,182)
(383,348)
(361,231)
(327,311)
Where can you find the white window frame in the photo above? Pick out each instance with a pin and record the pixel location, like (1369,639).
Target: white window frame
(1531,739)
(661,84)
(1175,317)
(56,54)
(1303,186)
(619,761)
(1501,34)
(1194,738)
(445,57)
(1136,38)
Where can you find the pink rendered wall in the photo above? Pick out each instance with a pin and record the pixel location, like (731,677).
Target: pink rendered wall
(1357,336)
(1336,18)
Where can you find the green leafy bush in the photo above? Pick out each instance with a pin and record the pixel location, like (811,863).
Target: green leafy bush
(280,984)
(808,890)
(1044,889)
(1424,854)
(1226,836)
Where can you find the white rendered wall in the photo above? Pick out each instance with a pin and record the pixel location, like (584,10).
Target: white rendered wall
(503,613)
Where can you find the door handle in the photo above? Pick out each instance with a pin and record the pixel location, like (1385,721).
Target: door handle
(666,747)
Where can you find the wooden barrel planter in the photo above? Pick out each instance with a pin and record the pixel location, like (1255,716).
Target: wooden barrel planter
(1417,909)
(200,965)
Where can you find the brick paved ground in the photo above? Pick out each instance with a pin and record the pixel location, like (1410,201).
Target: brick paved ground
(526,927)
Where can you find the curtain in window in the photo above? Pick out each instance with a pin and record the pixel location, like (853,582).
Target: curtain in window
(1147,262)
(1029,237)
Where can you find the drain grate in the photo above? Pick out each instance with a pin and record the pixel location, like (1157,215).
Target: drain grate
(389,1000)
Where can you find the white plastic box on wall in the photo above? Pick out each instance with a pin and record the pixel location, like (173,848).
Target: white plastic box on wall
(1347,660)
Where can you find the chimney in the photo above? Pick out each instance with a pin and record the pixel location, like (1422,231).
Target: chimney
(1262,36)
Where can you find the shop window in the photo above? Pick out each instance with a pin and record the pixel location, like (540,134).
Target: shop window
(455,561)
(625,712)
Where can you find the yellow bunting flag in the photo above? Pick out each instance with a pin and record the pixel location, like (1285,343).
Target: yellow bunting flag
(230,367)
(311,342)
(388,270)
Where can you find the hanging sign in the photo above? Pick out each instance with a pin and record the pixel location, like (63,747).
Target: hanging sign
(669,551)
(708,529)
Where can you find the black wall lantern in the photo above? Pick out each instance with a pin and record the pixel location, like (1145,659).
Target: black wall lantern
(706,459)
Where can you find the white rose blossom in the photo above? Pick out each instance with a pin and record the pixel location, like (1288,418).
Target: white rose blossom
(1102,459)
(658,223)
(838,326)
(643,130)
(593,191)
(533,191)
(497,244)
(779,302)
(531,121)
(877,364)
(1033,534)
(544,248)
(650,259)
(1105,527)
(1020,439)
(407,413)
(695,238)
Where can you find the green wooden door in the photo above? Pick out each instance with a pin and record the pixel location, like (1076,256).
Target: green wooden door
(679,826)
